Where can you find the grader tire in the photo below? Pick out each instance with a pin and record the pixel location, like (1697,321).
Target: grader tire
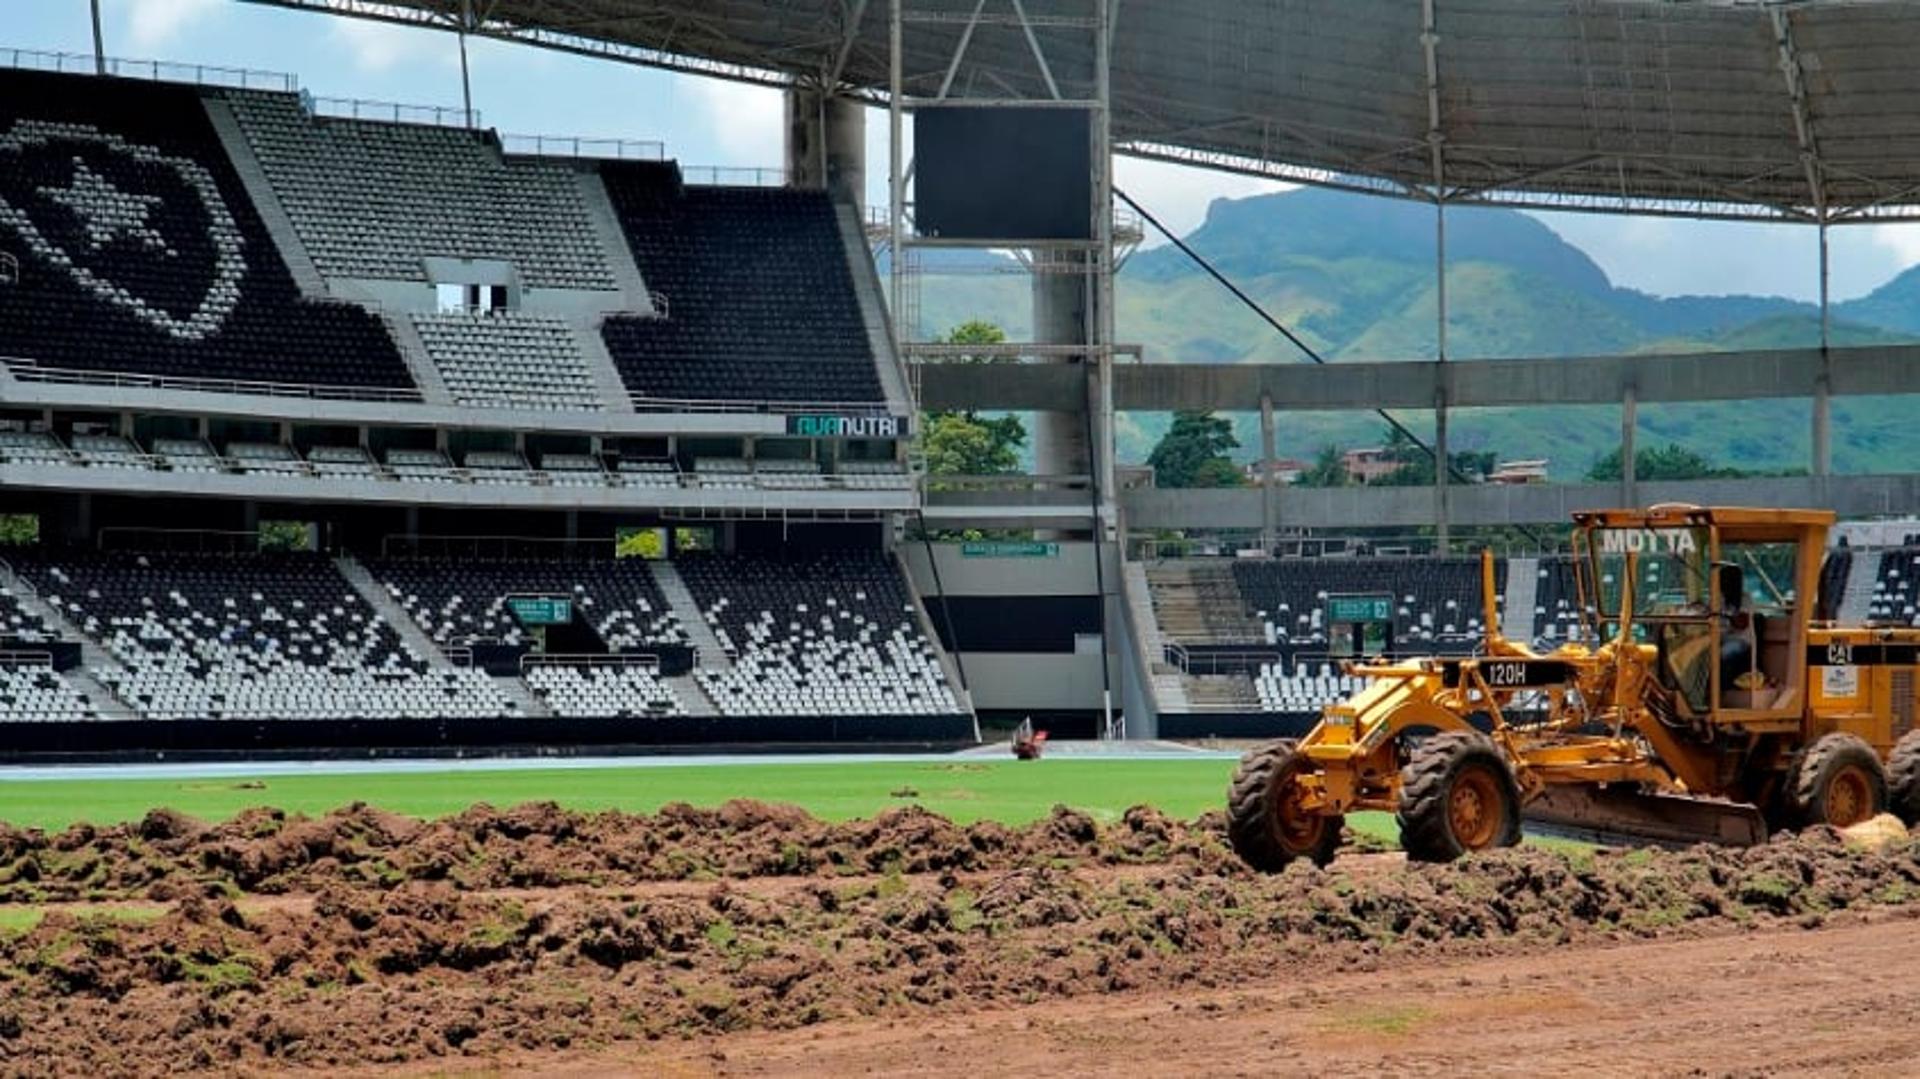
(1838,781)
(1457,795)
(1903,779)
(1264,824)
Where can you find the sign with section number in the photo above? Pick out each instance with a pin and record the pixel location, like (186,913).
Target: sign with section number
(541,610)
(1359,608)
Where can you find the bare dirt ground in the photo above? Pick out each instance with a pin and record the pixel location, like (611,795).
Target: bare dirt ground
(755,940)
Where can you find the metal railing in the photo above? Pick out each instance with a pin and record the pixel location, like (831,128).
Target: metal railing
(26,370)
(645,403)
(733,176)
(26,657)
(71,63)
(589,659)
(391,112)
(598,149)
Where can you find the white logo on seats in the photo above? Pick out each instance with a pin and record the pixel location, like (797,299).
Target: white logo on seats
(128,217)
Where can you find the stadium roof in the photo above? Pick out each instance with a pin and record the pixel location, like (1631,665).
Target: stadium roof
(1797,110)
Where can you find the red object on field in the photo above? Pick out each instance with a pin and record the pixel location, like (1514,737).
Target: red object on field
(1027,742)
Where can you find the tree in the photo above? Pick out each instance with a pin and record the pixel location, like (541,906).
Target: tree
(1416,462)
(1329,469)
(1193,453)
(287,536)
(966,443)
(1669,462)
(19,529)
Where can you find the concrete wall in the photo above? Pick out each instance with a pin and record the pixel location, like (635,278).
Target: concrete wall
(1018,682)
(1492,504)
(1164,386)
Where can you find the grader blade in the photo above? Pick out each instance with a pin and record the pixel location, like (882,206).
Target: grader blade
(1623,816)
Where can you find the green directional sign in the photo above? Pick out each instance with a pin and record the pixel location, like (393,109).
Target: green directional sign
(541,610)
(1009,549)
(1359,608)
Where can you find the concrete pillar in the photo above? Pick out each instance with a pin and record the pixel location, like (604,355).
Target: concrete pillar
(1060,318)
(1442,530)
(1822,427)
(827,144)
(1269,478)
(1629,424)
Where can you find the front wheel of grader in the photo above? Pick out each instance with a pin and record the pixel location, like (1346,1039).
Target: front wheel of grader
(1457,795)
(1266,822)
(1838,780)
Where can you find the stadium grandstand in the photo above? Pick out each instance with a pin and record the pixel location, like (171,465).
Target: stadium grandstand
(380,432)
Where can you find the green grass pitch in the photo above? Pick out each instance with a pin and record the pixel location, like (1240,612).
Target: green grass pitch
(1010,791)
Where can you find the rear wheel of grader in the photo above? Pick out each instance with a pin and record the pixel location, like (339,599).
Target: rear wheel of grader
(1457,795)
(1903,779)
(1265,820)
(1837,780)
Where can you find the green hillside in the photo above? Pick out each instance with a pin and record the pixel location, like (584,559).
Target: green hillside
(1353,276)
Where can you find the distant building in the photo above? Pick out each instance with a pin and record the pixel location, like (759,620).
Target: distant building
(1530,471)
(1367,465)
(1285,469)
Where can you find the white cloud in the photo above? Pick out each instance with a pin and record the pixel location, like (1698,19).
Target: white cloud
(1178,195)
(744,121)
(152,23)
(377,46)
(1902,240)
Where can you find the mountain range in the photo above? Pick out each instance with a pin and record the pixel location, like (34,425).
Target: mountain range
(1353,276)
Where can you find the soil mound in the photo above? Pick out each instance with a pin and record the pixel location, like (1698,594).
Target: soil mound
(361,938)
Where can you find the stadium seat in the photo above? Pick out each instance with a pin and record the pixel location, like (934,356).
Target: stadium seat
(248,636)
(373,199)
(142,253)
(761,298)
(830,634)
(504,359)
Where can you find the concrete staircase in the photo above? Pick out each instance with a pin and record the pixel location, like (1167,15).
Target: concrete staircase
(1857,600)
(306,275)
(1169,685)
(607,384)
(606,228)
(414,637)
(92,656)
(674,587)
(1523,590)
(388,608)
(413,351)
(923,617)
(1199,602)
(1221,693)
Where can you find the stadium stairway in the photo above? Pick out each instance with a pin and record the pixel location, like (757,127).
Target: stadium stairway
(306,276)
(1523,590)
(923,618)
(873,310)
(692,619)
(626,273)
(1863,576)
(92,656)
(1169,686)
(613,393)
(413,350)
(1199,602)
(416,638)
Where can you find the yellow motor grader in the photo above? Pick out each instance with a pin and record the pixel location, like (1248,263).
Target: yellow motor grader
(1708,696)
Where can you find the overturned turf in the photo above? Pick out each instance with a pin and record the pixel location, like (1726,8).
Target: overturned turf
(335,967)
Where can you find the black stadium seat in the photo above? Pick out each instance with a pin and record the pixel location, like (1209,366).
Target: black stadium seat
(760,298)
(141,253)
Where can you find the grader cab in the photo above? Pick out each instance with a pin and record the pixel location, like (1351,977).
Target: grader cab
(1708,697)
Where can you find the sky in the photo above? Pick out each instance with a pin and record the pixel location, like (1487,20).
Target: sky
(519,89)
